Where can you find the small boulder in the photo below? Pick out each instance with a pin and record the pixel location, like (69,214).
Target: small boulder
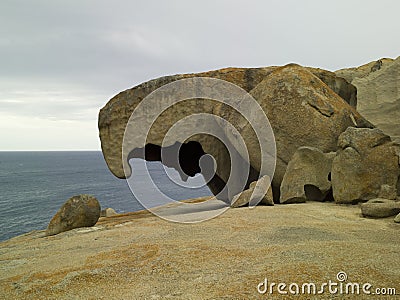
(108,212)
(366,166)
(260,191)
(78,211)
(380,208)
(307,176)
(397,219)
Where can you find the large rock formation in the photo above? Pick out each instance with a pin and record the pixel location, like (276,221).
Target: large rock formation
(78,211)
(303,106)
(378,93)
(366,166)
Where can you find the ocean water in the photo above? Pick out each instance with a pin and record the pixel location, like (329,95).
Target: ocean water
(34,185)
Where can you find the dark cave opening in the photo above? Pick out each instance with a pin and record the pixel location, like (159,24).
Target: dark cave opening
(186,158)
(313,193)
(190,159)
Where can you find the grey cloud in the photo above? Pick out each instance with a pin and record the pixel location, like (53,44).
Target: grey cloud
(53,109)
(90,50)
(50,102)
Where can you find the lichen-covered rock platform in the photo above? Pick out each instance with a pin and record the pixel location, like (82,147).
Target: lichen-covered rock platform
(139,256)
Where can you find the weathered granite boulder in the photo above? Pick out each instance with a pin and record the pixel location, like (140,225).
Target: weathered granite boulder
(366,166)
(378,93)
(108,212)
(259,192)
(308,176)
(303,111)
(78,211)
(380,208)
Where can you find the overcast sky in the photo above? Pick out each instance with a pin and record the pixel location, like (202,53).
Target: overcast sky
(61,61)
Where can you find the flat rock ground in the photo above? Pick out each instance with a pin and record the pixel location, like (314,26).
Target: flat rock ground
(140,256)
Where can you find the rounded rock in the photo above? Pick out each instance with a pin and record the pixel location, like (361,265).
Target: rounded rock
(380,208)
(108,212)
(78,211)
(397,219)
